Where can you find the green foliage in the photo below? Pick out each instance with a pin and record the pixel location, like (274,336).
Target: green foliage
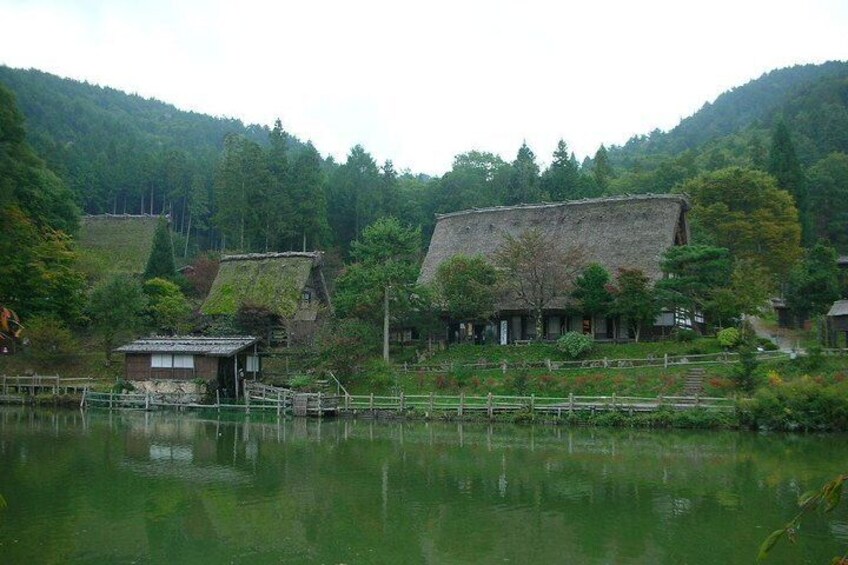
(729,337)
(684,335)
(828,196)
(466,287)
(634,300)
(591,290)
(746,212)
(273,283)
(160,264)
(561,181)
(345,344)
(168,308)
(744,373)
(695,272)
(802,405)
(814,284)
(575,344)
(111,245)
(784,166)
(50,341)
(523,184)
(115,307)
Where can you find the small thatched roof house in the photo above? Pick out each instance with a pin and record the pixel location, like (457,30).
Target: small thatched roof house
(291,285)
(615,232)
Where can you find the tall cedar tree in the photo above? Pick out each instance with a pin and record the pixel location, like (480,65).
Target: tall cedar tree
(160,264)
(536,273)
(814,284)
(828,192)
(592,293)
(602,170)
(783,165)
(523,186)
(561,181)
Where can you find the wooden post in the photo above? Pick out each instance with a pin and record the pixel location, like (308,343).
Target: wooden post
(401,402)
(218,399)
(503,367)
(461,404)
(347,402)
(489,409)
(613,400)
(82,400)
(570,402)
(548,364)
(665,361)
(110,400)
(279,404)
(371,402)
(147,400)
(5,386)
(431,404)
(246,401)
(532,403)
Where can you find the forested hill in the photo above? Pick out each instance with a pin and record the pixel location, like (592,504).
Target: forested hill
(114,150)
(811,99)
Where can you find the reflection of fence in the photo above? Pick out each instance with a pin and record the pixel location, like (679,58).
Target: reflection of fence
(35,384)
(664,361)
(497,404)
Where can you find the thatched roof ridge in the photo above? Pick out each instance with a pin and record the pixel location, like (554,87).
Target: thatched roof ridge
(121,216)
(683,198)
(616,232)
(314,255)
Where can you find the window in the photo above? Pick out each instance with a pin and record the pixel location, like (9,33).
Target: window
(183,361)
(160,360)
(306,296)
(252,365)
(169,361)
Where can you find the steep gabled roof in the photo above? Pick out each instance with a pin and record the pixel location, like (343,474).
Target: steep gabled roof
(625,231)
(115,243)
(273,280)
(839,308)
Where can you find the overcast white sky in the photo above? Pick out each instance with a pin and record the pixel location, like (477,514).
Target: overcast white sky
(419,82)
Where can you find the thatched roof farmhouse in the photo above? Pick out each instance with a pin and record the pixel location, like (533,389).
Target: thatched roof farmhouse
(615,232)
(291,285)
(115,243)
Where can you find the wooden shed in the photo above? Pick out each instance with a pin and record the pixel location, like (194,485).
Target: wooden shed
(222,362)
(837,319)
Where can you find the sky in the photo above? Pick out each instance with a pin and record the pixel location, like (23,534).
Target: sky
(420,82)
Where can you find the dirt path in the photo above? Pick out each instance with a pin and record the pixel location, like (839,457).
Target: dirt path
(779,336)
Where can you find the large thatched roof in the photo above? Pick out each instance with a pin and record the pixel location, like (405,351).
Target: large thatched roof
(115,243)
(273,280)
(625,231)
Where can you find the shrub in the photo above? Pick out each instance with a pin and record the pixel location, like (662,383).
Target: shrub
(345,344)
(729,337)
(683,335)
(50,341)
(574,344)
(800,405)
(379,374)
(743,374)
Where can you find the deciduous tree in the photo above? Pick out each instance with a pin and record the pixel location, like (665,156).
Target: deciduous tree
(466,287)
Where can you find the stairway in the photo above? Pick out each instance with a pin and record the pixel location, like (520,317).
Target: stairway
(694,383)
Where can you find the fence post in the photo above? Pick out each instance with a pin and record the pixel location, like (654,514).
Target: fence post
(548,364)
(110,399)
(82,400)
(371,402)
(503,367)
(246,401)
(606,363)
(347,402)
(570,402)
(613,401)
(218,399)
(146,400)
(665,360)
(431,405)
(532,403)
(279,404)
(489,409)
(461,403)
(401,402)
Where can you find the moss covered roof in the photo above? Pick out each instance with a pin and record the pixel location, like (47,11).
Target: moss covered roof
(273,280)
(115,243)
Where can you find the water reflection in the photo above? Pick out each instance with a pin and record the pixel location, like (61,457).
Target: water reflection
(106,487)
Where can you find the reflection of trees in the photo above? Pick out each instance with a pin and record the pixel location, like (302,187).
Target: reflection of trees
(357,491)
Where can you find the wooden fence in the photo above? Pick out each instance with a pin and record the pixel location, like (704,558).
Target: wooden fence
(34,384)
(664,361)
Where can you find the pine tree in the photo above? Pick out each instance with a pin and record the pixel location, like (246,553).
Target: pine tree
(523,185)
(783,165)
(562,179)
(602,171)
(161,261)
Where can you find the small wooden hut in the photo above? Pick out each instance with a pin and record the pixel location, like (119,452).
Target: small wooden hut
(290,285)
(837,319)
(222,362)
(616,232)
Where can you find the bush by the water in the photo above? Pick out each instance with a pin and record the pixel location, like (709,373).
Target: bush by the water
(575,344)
(50,341)
(801,405)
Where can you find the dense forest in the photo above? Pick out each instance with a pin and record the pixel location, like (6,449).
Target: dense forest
(766,165)
(232,186)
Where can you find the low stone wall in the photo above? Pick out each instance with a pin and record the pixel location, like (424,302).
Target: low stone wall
(170,387)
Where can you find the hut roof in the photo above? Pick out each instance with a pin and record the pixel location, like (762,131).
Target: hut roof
(624,231)
(839,308)
(273,280)
(111,243)
(211,346)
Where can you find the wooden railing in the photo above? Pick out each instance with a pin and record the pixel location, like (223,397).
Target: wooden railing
(664,361)
(33,384)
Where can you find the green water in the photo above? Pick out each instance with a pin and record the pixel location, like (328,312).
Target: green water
(168,488)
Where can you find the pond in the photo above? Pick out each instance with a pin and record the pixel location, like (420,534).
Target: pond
(135,487)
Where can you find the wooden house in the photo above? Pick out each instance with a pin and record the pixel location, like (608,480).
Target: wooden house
(221,362)
(289,285)
(617,232)
(837,319)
